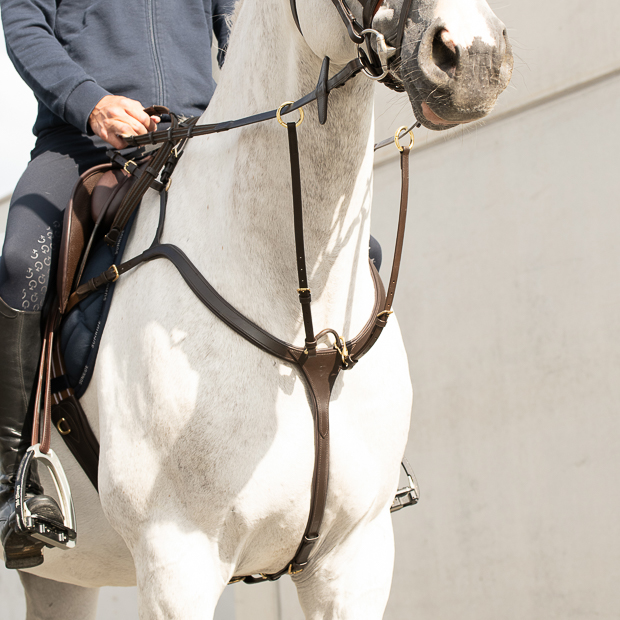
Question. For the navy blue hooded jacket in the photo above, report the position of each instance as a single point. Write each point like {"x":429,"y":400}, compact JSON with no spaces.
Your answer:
{"x":72,"y":53}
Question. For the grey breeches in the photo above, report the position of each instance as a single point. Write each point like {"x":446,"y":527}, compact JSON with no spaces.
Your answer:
{"x":35,"y":215}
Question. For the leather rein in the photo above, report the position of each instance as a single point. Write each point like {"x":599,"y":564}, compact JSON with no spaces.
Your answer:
{"x":319,"y":366}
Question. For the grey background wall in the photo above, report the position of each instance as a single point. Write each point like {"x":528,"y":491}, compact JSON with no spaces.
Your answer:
{"x":509,"y":303}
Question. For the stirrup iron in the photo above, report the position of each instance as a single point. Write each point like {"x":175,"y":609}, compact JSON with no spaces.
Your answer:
{"x":409,"y":495}
{"x":36,"y":526}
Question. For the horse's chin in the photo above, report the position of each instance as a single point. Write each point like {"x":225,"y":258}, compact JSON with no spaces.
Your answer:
{"x":427,"y":118}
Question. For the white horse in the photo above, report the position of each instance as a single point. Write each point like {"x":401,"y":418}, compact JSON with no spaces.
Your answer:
{"x":207,"y":442}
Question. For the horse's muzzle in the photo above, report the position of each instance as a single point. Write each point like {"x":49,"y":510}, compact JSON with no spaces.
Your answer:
{"x":450,"y":83}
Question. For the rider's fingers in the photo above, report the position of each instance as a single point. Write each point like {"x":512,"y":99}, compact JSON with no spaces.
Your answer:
{"x":135,"y":110}
{"x":113,"y":138}
{"x":126,"y":127}
{"x":138,"y":128}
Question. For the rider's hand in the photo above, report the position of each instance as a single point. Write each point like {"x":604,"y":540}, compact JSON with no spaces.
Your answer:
{"x":115,"y":116}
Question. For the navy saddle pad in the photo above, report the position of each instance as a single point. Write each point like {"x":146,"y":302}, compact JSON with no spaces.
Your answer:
{"x":81,"y":329}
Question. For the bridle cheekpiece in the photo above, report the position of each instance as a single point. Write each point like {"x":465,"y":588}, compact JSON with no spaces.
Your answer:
{"x":375,"y":59}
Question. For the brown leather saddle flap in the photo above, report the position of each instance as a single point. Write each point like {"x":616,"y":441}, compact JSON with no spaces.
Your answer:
{"x":77,"y":227}
{"x":95,"y":199}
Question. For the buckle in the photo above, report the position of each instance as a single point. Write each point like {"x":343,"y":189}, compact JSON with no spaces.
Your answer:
{"x":130,"y":166}
{"x":52,"y":534}
{"x":115,"y":272}
{"x":294,"y":572}
{"x":409,"y":495}
{"x":344,"y":352}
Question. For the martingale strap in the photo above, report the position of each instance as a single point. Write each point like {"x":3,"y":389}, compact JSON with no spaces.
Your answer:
{"x":305,"y":296}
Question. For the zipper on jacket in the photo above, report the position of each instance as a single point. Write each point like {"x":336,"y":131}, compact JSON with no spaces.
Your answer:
{"x":159,"y":73}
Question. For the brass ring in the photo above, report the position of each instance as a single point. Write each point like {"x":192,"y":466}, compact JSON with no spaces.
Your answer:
{"x":397,"y":137}
{"x":60,"y":430}
{"x":301,"y":114}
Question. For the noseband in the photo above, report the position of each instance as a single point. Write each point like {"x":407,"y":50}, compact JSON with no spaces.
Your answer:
{"x":375,"y":60}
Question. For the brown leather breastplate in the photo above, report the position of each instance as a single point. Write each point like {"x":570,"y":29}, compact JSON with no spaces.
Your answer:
{"x":319,"y":367}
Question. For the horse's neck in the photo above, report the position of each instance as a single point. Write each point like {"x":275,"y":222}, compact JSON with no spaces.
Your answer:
{"x":231,"y":201}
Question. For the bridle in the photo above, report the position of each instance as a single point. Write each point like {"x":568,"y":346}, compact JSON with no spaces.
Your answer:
{"x":375,"y":60}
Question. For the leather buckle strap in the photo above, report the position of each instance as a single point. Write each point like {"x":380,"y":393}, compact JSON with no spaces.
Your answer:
{"x":110,"y":275}
{"x":382,"y":317}
{"x":305,"y":297}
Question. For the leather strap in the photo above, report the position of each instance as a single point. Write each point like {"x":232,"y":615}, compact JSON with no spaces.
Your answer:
{"x":305,"y":296}
{"x":42,"y":421}
{"x":353,"y":26}
{"x":402,"y":23}
{"x":158,"y":137}
{"x":72,"y":424}
{"x":382,"y":317}
{"x":370,"y":10}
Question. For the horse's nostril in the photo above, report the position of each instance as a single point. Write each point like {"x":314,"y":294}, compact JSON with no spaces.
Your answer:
{"x":444,"y":52}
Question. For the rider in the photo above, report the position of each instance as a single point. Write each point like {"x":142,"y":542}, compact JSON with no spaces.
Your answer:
{"x":91,"y":64}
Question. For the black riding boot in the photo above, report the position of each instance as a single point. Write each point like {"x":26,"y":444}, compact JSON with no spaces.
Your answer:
{"x":20,"y":347}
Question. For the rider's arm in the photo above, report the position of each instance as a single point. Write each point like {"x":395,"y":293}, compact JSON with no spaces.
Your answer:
{"x":57,"y":81}
{"x":60,"y":83}
{"x":222,"y":11}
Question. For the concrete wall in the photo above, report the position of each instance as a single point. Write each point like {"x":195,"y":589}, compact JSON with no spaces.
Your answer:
{"x":509,"y":305}
{"x":508,"y":301}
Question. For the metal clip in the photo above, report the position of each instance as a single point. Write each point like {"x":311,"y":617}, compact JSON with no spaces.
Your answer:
{"x":61,"y":430}
{"x":126,"y":166}
{"x":117,"y":275}
{"x":409,"y":495}
{"x":401,"y":132}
